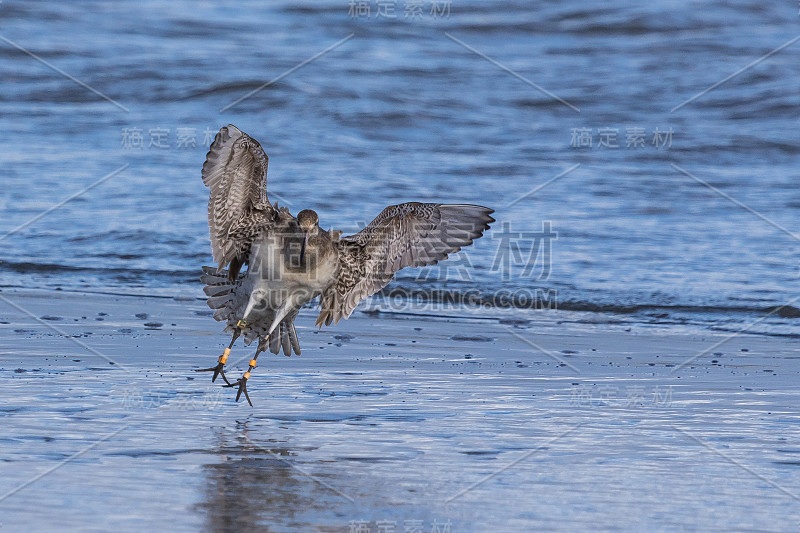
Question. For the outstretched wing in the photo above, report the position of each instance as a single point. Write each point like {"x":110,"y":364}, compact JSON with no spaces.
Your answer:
{"x":235,"y":171}
{"x":405,"y":235}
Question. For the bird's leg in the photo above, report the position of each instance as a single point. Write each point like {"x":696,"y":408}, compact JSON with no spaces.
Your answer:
{"x":222,"y":359}
{"x":242,"y":382}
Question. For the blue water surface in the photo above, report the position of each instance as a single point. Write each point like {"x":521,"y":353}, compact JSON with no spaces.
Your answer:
{"x":681,"y":211}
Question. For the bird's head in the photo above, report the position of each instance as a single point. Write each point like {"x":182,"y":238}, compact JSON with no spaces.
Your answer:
{"x":308,"y":220}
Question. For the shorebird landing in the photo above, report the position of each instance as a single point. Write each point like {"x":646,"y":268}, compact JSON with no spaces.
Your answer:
{"x":292,"y":260}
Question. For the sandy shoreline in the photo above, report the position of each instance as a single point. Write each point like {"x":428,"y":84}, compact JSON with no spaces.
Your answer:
{"x":480,"y":424}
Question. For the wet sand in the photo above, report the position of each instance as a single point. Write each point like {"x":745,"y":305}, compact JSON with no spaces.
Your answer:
{"x":412,"y":420}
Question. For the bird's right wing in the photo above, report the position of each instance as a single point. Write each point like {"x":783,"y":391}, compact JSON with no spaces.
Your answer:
{"x":405,"y":235}
{"x":235,"y":171}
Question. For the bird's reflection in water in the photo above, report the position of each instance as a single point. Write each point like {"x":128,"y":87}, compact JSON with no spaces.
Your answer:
{"x":257,"y":487}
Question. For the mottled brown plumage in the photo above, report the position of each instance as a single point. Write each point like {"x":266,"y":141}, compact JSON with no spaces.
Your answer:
{"x":292,"y":260}
{"x":235,"y":172}
{"x":404,"y":235}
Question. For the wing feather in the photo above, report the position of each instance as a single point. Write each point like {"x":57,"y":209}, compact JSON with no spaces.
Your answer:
{"x":235,"y":171}
{"x":405,"y":235}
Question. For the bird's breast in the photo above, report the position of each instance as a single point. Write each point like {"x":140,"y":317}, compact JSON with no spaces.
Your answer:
{"x":281,"y":261}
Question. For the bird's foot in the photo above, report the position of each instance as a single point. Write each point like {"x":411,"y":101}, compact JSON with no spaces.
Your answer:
{"x":218,"y":370}
{"x":242,"y":383}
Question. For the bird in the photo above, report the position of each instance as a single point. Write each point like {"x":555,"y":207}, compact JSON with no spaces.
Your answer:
{"x":291,"y":260}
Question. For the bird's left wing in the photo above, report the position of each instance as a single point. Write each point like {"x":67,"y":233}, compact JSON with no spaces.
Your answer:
{"x":405,"y":235}
{"x":235,"y":171}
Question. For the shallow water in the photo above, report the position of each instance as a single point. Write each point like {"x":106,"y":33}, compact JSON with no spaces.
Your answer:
{"x":391,"y":419}
{"x":402,"y":111}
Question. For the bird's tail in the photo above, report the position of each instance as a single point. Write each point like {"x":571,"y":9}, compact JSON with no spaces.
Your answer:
{"x":220,"y":292}
{"x":222,"y":296}
{"x":284,"y":336}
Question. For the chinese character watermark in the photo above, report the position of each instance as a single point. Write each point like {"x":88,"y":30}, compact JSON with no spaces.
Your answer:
{"x":509,"y":254}
{"x":159,"y":138}
{"x":404,"y":526}
{"x":621,"y":397}
{"x":138,"y":399}
{"x":611,"y":138}
{"x":410,"y":10}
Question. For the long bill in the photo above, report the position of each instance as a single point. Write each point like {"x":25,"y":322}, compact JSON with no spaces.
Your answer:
{"x":303,"y":246}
